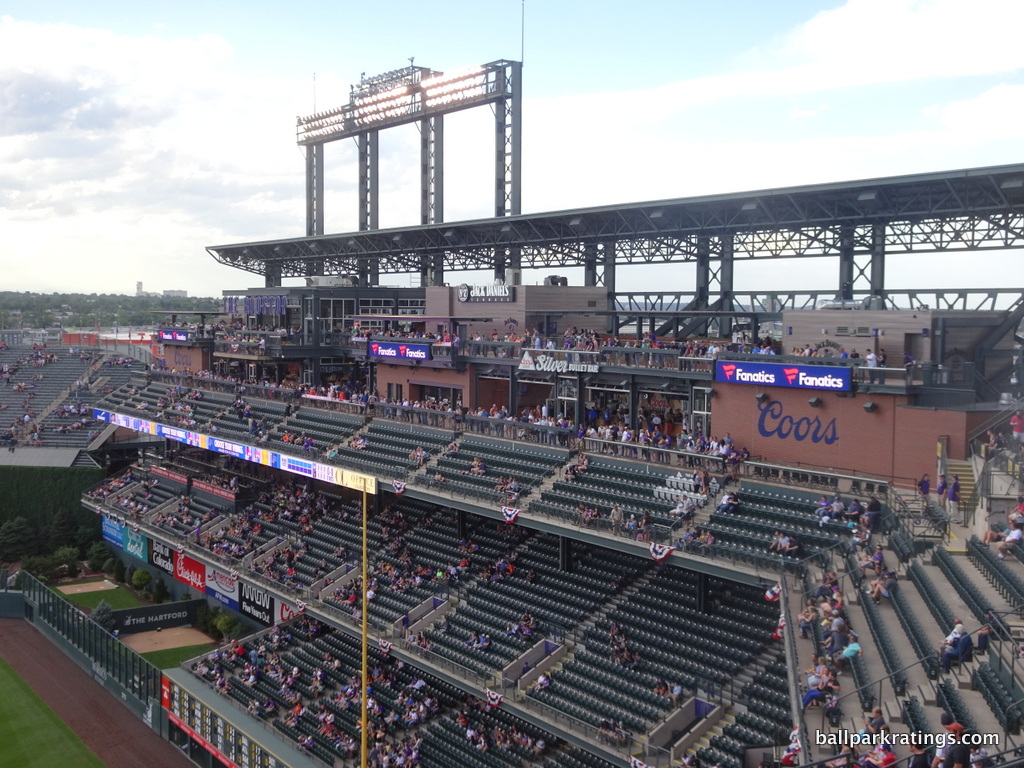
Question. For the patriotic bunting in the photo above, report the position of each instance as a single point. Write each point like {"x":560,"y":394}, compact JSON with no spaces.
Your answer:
{"x":494,"y":699}
{"x":300,"y":606}
{"x":793,"y":750}
{"x":774,"y":593}
{"x":385,"y":646}
{"x":399,"y":487}
{"x":777,"y":634}
{"x":510,"y":513}
{"x":660,"y":551}
{"x":636,"y":762}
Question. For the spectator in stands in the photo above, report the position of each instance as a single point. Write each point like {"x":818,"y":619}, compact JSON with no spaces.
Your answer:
{"x":1008,"y":539}
{"x":541,"y":682}
{"x":884,"y":586}
{"x":705,"y":542}
{"x":676,"y":694}
{"x":958,"y":630}
{"x":873,"y":514}
{"x":959,"y":650}
{"x":957,"y":754}
{"x":855,"y":511}
{"x":953,"y":500}
{"x":924,"y":487}
{"x":874,"y":563}
{"x":860,"y":539}
{"x":808,"y":617}
{"x":616,"y":518}
{"x":851,"y":651}
{"x":875,"y":725}
{"x":881,"y":757}
{"x":730,"y":502}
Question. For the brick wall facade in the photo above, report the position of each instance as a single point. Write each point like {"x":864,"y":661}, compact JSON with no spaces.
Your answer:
{"x":895,"y":441}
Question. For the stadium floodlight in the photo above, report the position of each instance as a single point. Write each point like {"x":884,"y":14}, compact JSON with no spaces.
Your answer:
{"x":416,"y":95}
{"x":403,"y":96}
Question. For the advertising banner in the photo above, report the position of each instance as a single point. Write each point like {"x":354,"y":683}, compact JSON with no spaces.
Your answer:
{"x":222,"y":586}
{"x":287,"y":611}
{"x":256,"y":603}
{"x":151,"y":617}
{"x":189,"y":571}
{"x":212,"y":490}
{"x":817,"y":377}
{"x":161,"y":556}
{"x":173,"y":335}
{"x":169,"y":475}
{"x":135,"y":544}
{"x":399,"y":351}
{"x":113,"y":531}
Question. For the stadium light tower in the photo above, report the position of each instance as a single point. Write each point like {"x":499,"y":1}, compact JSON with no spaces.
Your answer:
{"x":418,"y":95}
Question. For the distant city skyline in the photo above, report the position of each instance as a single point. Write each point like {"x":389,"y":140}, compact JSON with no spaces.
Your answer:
{"x":129,"y":142}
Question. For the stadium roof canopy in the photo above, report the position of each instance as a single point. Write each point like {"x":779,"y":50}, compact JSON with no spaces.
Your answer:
{"x":971,"y":209}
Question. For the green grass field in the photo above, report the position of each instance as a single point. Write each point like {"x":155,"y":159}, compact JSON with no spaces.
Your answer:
{"x":172,"y":657}
{"x":31,"y":734}
{"x":117,"y":598}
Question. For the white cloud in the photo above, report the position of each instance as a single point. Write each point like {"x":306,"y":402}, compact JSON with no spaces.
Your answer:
{"x":135,"y":152}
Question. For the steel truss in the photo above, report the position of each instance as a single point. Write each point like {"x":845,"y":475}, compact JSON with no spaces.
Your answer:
{"x":862,"y":223}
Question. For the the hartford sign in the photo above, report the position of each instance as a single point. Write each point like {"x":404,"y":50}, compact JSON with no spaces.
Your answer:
{"x":836,"y":379}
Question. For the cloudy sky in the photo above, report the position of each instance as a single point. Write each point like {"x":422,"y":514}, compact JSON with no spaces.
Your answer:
{"x":134,"y":135}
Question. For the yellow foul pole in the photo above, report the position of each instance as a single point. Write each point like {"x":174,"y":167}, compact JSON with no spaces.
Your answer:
{"x":363,"y":714}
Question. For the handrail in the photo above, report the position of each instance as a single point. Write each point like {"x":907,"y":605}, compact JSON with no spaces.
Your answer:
{"x":995,"y":419}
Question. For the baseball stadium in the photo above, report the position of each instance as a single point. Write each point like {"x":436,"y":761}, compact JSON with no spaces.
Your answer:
{"x":491,"y":520}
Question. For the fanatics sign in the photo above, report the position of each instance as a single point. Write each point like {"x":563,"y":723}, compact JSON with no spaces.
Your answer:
{"x":833,"y":378}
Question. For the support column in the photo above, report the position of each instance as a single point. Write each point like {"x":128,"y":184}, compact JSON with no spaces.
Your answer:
{"x":272,"y":277}
{"x":461,"y":528}
{"x":702,"y":284}
{"x":369,"y":274}
{"x":590,"y":264}
{"x":846,"y":263}
{"x":703,"y":587}
{"x":513,"y":392}
{"x":565,"y":554}
{"x":431,"y":190}
{"x":608,"y":277}
{"x":878,"y":260}
{"x":432,"y":170}
{"x":508,"y":142}
{"x":368,"y":192}
{"x":314,"y":190}
{"x":725,"y":278}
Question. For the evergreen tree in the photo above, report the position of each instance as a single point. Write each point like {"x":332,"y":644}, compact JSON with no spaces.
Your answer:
{"x":97,"y":556}
{"x":17,"y":539}
{"x":62,"y":530}
{"x":141,"y":579}
{"x":119,"y":572}
{"x":160,"y":593}
{"x":67,"y":560}
{"x":103,"y":615}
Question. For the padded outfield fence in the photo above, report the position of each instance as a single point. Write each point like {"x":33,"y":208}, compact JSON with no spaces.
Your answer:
{"x":132,"y":679}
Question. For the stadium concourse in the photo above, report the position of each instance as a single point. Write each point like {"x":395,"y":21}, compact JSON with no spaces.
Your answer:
{"x":533,"y":601}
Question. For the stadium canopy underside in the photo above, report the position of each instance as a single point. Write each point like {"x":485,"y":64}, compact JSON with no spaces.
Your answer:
{"x":860,"y":222}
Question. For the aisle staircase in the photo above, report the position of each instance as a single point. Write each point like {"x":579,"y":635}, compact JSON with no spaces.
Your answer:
{"x":964,"y":470}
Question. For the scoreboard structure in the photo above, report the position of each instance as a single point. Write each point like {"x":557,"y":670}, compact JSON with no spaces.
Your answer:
{"x":191,"y":719}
